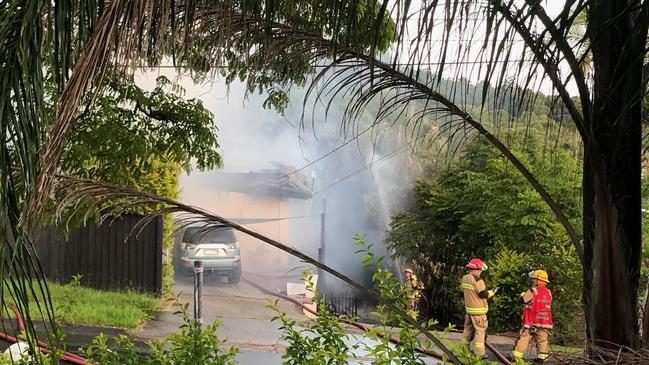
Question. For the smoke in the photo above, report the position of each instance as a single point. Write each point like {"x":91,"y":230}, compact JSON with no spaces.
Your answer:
{"x":363,"y":182}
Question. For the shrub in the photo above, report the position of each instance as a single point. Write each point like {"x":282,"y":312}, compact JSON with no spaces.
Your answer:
{"x":508,"y":270}
{"x":482,"y":207}
{"x":193,"y":345}
{"x":321,"y":342}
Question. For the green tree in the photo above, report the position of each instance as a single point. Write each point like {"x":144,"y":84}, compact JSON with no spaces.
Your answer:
{"x":142,"y":139}
{"x":482,"y":207}
{"x":125,"y":129}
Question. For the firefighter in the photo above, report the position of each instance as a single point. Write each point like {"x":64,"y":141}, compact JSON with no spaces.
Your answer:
{"x":537,"y":317}
{"x":412,"y":288}
{"x":475,"y":302}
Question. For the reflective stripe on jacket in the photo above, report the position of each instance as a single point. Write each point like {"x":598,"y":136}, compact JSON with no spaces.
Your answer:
{"x":538,"y":311}
{"x":471,"y":286}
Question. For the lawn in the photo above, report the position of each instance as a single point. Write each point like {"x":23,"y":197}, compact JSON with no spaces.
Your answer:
{"x":78,"y":305}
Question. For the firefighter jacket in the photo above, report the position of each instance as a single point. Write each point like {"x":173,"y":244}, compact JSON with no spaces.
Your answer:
{"x":412,"y":288}
{"x":537,"y":311}
{"x":475,"y":302}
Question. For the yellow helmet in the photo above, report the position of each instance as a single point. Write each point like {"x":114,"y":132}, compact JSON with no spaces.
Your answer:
{"x":539,"y":275}
{"x":408,"y":270}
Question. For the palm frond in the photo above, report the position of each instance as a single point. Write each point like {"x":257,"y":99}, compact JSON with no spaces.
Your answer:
{"x":355,"y":74}
{"x":40,"y":37}
{"x":22,"y":117}
{"x":361,"y":79}
{"x":87,"y":70}
{"x":112,"y":200}
{"x":498,"y":35}
{"x":404,"y":90}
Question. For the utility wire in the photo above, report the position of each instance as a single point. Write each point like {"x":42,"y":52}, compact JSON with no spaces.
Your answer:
{"x":389,"y":63}
{"x":368,"y":166}
{"x":325,"y":155}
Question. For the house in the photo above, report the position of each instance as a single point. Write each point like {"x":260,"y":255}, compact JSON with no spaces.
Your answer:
{"x":275,"y":203}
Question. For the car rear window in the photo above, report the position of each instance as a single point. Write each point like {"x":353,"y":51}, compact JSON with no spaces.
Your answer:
{"x":202,"y":235}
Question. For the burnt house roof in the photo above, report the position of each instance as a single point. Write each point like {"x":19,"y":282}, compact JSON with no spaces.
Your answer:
{"x":283,"y":182}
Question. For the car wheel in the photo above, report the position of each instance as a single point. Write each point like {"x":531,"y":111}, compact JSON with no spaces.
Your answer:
{"x":235,"y":277}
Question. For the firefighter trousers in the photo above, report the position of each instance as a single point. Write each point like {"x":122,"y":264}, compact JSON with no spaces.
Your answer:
{"x":540,"y":335}
{"x":475,"y":328}
{"x":412,"y":302}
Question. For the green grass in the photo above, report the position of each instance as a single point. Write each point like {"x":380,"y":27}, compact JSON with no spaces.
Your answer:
{"x":78,"y":305}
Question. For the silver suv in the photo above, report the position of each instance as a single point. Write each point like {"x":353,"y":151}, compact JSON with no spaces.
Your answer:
{"x":218,"y":249}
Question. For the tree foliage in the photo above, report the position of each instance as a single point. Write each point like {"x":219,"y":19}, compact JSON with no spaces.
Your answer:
{"x":142,"y":139}
{"x":120,"y":137}
{"x":343,"y":22}
{"x":482,"y":207}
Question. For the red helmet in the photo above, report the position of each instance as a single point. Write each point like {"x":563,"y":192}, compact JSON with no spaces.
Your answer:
{"x":476,"y":264}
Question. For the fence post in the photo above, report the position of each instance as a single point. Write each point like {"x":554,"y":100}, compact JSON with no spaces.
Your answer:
{"x":198,"y":292}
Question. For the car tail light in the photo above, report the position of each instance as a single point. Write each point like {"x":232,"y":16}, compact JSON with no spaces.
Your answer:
{"x":237,"y":259}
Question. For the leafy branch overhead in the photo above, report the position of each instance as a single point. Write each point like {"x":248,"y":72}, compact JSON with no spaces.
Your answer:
{"x":127,"y":129}
{"x":199,"y":35}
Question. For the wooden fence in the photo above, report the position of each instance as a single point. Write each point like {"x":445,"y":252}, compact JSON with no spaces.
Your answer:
{"x":109,"y":256}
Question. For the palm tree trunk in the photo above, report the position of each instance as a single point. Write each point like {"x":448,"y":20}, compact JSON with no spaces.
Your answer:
{"x":612,"y":211}
{"x":611,"y":255}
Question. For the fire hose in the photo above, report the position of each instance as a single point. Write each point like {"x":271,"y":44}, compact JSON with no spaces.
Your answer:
{"x":498,"y":354}
{"x":342,"y":320}
{"x":65,"y":356}
{"x":366,"y":328}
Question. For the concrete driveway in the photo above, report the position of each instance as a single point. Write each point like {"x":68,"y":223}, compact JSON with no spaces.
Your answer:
{"x":241,"y":310}
{"x":245,"y":320}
